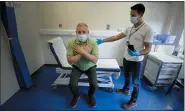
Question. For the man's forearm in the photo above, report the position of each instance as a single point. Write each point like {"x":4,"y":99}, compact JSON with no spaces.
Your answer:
{"x":74,"y":59}
{"x":114,"y":38}
{"x":92,"y":58}
{"x":110,"y":39}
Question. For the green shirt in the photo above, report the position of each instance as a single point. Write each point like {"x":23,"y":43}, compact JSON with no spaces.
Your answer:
{"x":83,"y":64}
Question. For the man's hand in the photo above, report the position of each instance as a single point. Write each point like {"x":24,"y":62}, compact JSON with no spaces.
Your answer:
{"x":148,"y":47}
{"x":135,"y":53}
{"x":78,"y":49}
{"x":88,"y":48}
{"x":84,"y":52}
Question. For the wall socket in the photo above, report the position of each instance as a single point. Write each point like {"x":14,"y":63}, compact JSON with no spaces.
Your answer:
{"x":108,"y":27}
{"x":60,"y":25}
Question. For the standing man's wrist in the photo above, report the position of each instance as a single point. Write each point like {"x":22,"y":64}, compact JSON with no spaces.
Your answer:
{"x":103,"y":40}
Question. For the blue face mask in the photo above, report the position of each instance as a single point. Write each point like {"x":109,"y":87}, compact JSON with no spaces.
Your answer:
{"x":133,"y":20}
{"x":82,"y":38}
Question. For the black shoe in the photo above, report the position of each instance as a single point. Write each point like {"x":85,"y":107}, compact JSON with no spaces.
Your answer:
{"x":129,"y":105}
{"x":74,"y":101}
{"x":92,"y":101}
{"x":124,"y":91}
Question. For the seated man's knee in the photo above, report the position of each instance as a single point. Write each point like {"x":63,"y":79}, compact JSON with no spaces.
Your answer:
{"x":94,"y":85}
{"x":73,"y":84}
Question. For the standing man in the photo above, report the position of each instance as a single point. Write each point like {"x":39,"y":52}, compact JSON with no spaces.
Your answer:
{"x":139,"y":43}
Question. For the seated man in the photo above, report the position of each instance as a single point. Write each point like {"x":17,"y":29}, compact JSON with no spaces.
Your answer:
{"x":82,"y":54}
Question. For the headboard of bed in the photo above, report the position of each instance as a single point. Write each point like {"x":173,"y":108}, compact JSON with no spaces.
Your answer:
{"x":59,"y":51}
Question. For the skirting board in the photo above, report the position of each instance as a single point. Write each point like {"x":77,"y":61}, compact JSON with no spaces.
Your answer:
{"x":39,"y":69}
{"x":52,"y":65}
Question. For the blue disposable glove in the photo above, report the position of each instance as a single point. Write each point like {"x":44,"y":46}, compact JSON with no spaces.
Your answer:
{"x":99,"y":41}
{"x":135,"y":53}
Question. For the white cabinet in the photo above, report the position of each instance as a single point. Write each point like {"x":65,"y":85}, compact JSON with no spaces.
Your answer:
{"x":162,"y":69}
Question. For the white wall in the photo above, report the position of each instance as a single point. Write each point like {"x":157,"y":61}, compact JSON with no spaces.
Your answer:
{"x":178,"y":21}
{"x":98,"y":14}
{"x":175,"y":20}
{"x":28,"y":30}
{"x":181,"y":42}
{"x":9,"y":83}
{"x":173,"y":25}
